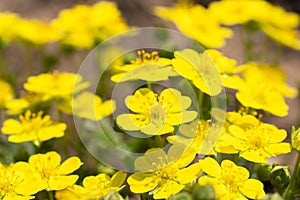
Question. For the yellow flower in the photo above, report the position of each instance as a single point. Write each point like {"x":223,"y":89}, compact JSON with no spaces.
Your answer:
{"x":7,"y":31}
{"x":252,"y":139}
{"x":196,"y":22}
{"x":287,"y":37}
{"x":163,"y":174}
{"x":265,"y":88}
{"x":148,"y":67}
{"x":97,"y":22}
{"x":194,"y":136}
{"x":53,"y":174}
{"x":97,"y":187}
{"x":17,"y":183}
{"x":88,"y":105}
{"x":35,"y":32}
{"x":6,"y":93}
{"x":156,"y":115}
{"x":227,"y":68}
{"x":33,"y":127}
{"x":230,"y":181}
{"x":56,"y":85}
{"x":271,"y":19}
{"x":200,"y":69}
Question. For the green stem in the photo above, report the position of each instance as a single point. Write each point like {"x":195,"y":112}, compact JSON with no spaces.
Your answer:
{"x":50,"y":195}
{"x":294,"y":187}
{"x":200,"y":104}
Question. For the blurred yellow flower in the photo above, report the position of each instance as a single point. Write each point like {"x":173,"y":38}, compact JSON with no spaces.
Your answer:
{"x":6,"y":93}
{"x":97,"y":187}
{"x":156,"y":115}
{"x":265,"y":88}
{"x":193,"y":136}
{"x":196,"y":22}
{"x":252,"y":139}
{"x":7,"y":31}
{"x":35,"y":32}
{"x":163,"y":175}
{"x":287,"y":37}
{"x":88,"y":105}
{"x":17,"y":184}
{"x":54,"y":175}
{"x":271,"y":19}
{"x":26,"y":30}
{"x":67,"y":194}
{"x":83,"y":26}
{"x":33,"y":127}
{"x":56,"y":85}
{"x":147,"y":66}
{"x":200,"y":69}
{"x":230,"y":181}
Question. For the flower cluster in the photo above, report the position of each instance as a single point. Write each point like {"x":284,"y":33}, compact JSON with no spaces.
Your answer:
{"x":70,"y":27}
{"x":190,"y":147}
{"x":191,"y":19}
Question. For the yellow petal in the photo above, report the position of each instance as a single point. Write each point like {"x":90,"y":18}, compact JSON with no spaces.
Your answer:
{"x":11,"y":126}
{"x":118,"y":179}
{"x":141,"y":101}
{"x":253,"y":189}
{"x":141,"y":182}
{"x":280,"y":148}
{"x":131,"y":122}
{"x":258,"y":156}
{"x":211,"y":167}
{"x":62,"y":182}
{"x":69,"y":166}
{"x":172,"y":100}
{"x":188,"y":174}
{"x":167,"y":189}
{"x":181,"y":118}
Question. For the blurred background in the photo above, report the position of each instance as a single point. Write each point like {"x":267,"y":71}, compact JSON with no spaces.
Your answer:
{"x":140,"y":14}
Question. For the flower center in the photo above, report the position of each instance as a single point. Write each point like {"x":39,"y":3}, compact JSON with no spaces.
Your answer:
{"x":257,"y":137}
{"x":145,"y":57}
{"x":9,"y":180}
{"x":157,"y":114}
{"x":167,"y":172}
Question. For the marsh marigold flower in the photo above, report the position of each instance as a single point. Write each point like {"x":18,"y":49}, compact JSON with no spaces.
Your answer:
{"x":200,"y":69}
{"x":6,"y":93}
{"x":147,"y":66}
{"x":196,"y":22}
{"x":95,"y":109}
{"x":195,"y":135}
{"x":32,"y":127}
{"x":252,"y":139}
{"x":265,"y":88}
{"x":278,"y":24}
{"x":97,"y":22}
{"x":163,"y":175}
{"x":53,"y":174}
{"x":230,"y":181}
{"x":17,"y":183}
{"x":56,"y":85}
{"x":97,"y":187}
{"x":156,"y":115}
{"x":227,"y":68}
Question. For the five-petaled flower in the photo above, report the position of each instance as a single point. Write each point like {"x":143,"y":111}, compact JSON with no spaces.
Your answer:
{"x":229,"y":180}
{"x":164,"y":174}
{"x":33,"y":127}
{"x":53,"y":174}
{"x":156,"y":115}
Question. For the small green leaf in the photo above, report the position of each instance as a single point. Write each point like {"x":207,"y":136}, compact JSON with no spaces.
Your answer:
{"x":280,"y":178}
{"x":205,"y":192}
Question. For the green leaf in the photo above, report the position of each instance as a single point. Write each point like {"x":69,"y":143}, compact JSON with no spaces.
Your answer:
{"x":280,"y":178}
{"x":205,"y":192}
